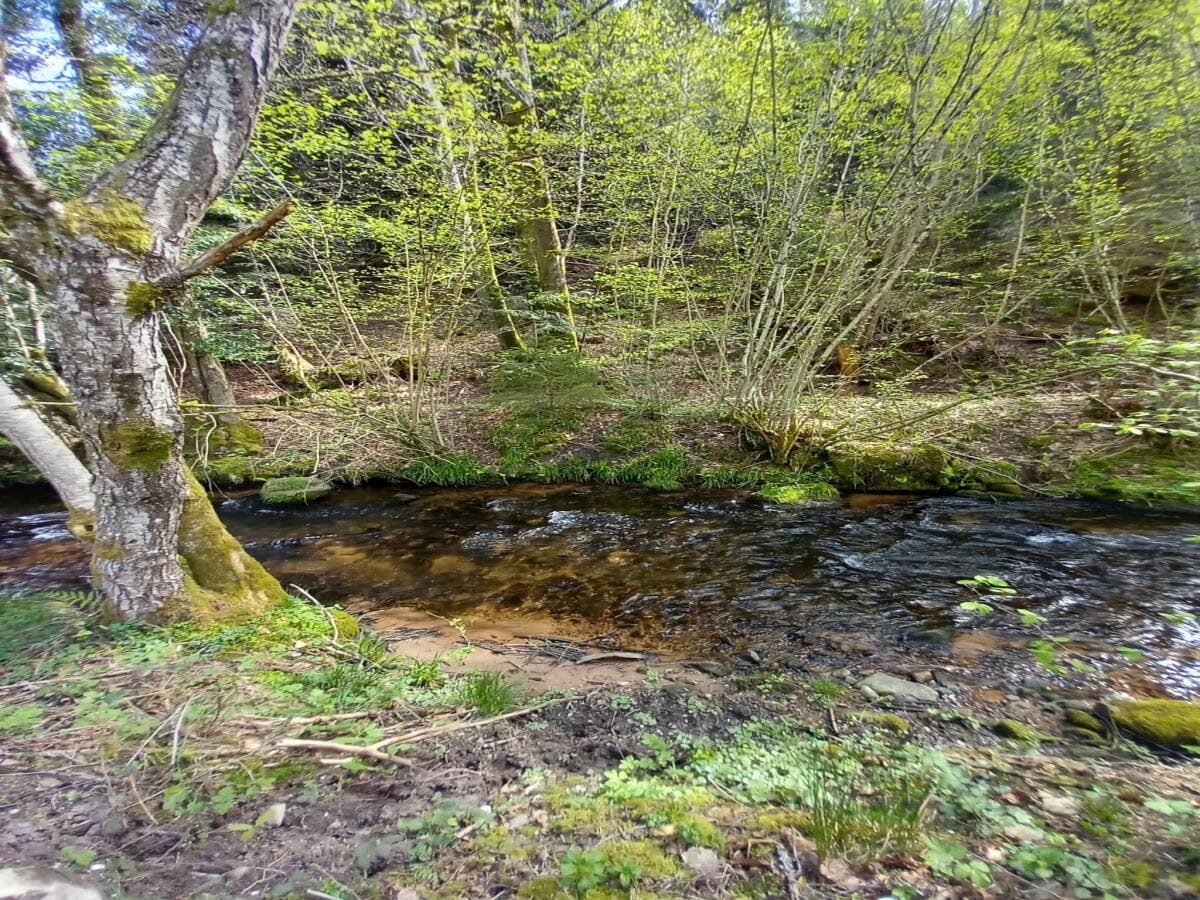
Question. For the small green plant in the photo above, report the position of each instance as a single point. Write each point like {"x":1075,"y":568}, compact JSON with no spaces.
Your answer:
{"x":952,"y":860}
{"x":19,"y":718}
{"x":77,"y":857}
{"x":580,"y":871}
{"x":622,"y":702}
{"x":826,"y":692}
{"x":424,"y":673}
{"x":488,"y":693}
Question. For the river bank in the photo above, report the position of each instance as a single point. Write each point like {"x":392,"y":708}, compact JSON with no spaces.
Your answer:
{"x":296,"y":756}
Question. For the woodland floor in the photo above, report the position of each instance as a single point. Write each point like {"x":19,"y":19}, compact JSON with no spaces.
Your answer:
{"x":155,"y":763}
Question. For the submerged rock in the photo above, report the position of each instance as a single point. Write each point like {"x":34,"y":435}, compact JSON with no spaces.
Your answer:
{"x":900,"y":689}
{"x":294,"y":489}
{"x":1167,"y":723}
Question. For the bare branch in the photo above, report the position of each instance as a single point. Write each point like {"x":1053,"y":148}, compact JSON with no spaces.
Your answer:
{"x":24,"y":199}
{"x":214,"y":256}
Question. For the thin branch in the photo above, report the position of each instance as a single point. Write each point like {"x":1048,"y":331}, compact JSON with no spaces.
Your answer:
{"x":214,"y":256}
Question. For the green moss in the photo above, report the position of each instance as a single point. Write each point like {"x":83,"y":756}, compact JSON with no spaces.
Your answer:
{"x":1019,"y":731}
{"x":137,"y":445}
{"x":1142,"y":475}
{"x":810,"y":493}
{"x":294,"y":489}
{"x":114,"y":219}
{"x":142,"y":298}
{"x":1082,"y":719}
{"x":542,"y":889}
{"x":81,"y":523}
{"x":880,"y":466}
{"x":648,"y":856}
{"x":993,"y":476}
{"x":223,"y":582}
{"x":1164,"y":723}
{"x":236,"y":470}
{"x":1137,"y":873}
{"x":345,"y":624}
{"x":887,"y":720}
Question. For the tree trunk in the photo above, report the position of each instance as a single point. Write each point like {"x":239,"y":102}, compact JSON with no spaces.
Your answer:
{"x":205,"y":373}
{"x":108,"y":261}
{"x":53,"y":458}
{"x":475,"y":240}
{"x":539,"y":228}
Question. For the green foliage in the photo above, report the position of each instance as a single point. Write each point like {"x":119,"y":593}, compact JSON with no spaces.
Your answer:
{"x":20,"y":718}
{"x":489,"y":694}
{"x":35,"y":622}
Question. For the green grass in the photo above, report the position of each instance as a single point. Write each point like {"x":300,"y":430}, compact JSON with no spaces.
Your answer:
{"x":489,"y":694}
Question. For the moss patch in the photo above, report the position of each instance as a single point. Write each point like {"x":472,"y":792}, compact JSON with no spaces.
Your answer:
{"x":880,"y":466}
{"x":806,"y":494}
{"x":137,"y":445}
{"x":890,"y":721}
{"x":1083,"y":719}
{"x":1165,"y":723}
{"x":142,"y":298}
{"x":223,"y":582}
{"x":1140,"y":475}
{"x":1019,"y":731}
{"x":112,"y":218}
{"x":294,"y":489}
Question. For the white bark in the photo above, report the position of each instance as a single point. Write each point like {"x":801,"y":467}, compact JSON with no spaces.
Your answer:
{"x":53,"y":458}
{"x":107,"y":261}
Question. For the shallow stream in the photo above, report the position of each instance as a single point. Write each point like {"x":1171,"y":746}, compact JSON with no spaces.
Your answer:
{"x":712,"y":572}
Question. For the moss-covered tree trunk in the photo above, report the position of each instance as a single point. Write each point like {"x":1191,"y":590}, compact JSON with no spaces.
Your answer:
{"x":538,"y":225}
{"x":109,"y":261}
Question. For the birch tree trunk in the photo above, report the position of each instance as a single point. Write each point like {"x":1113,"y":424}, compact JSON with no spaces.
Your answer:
{"x":108,"y":262}
{"x":62,"y":468}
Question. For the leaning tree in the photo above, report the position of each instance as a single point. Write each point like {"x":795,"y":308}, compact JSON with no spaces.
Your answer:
{"x":109,"y":262}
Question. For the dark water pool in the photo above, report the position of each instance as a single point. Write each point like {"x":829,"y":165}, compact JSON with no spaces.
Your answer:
{"x":702,"y":568}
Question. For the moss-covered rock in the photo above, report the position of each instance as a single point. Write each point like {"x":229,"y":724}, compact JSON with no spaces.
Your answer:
{"x":1141,"y":475}
{"x":812,"y":493}
{"x":882,"y":466}
{"x":990,"y":476}
{"x":294,"y":489}
{"x":1165,"y":723}
{"x":1019,"y":731}
{"x":1082,"y":719}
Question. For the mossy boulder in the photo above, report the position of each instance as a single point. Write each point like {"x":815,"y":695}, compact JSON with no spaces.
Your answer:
{"x":883,"y":466}
{"x":1141,"y":475}
{"x":992,"y":476}
{"x":1085,"y":720}
{"x":813,"y":493}
{"x":1173,"y":724}
{"x":1019,"y":731}
{"x":294,"y":489}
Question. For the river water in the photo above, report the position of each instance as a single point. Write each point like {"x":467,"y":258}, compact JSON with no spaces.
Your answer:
{"x":713,"y":572}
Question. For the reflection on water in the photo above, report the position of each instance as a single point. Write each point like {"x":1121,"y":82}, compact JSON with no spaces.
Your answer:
{"x":698,"y":566}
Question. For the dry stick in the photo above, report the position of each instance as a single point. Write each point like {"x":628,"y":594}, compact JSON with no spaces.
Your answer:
{"x":214,"y":256}
{"x":375,"y":751}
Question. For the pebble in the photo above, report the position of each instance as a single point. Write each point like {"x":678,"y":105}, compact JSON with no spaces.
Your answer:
{"x":922,"y":677}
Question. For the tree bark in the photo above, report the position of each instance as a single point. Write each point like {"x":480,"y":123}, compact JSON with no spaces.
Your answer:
{"x":475,"y":240}
{"x":103,"y":260}
{"x":539,"y":227}
{"x":62,"y":468}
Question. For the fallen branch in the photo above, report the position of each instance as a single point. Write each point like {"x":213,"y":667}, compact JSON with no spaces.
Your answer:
{"x":376,"y":750}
